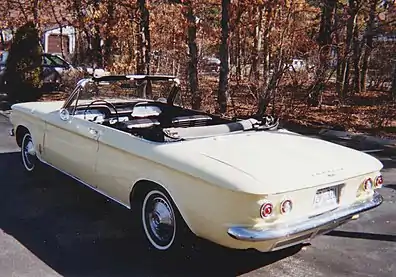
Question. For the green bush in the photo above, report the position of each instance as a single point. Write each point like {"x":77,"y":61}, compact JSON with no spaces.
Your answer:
{"x":23,"y":66}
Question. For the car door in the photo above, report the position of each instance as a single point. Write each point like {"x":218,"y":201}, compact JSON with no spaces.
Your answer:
{"x":71,"y":146}
{"x":116,"y":168}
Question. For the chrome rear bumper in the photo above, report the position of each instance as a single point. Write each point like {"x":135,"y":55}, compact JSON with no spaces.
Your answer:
{"x":287,"y":234}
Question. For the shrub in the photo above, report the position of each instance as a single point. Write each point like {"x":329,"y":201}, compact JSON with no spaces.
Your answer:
{"x":70,"y":79}
{"x":23,"y":67}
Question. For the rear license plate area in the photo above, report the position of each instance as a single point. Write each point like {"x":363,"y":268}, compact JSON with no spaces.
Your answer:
{"x":327,"y":198}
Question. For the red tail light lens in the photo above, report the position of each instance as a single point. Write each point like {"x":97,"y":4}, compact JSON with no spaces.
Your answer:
{"x":286,"y":206}
{"x":379,"y":181}
{"x":266,"y":210}
{"x":368,"y":184}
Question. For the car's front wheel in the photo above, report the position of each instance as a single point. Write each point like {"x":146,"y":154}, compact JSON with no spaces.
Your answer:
{"x":162,"y":223}
{"x":28,"y":154}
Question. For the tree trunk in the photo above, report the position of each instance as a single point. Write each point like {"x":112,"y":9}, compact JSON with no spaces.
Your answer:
{"x":84,"y":32}
{"x":266,"y":47}
{"x":356,"y":60}
{"x":369,"y":45}
{"x":238,"y":54}
{"x":35,"y":11}
{"x":393,"y":90}
{"x":2,"y":40}
{"x":340,"y":59}
{"x":324,"y":43}
{"x":224,"y":57}
{"x":108,"y":43}
{"x":61,"y":40}
{"x":144,"y":45}
{"x":257,"y":45}
{"x":351,"y":23}
{"x":60,"y":25}
{"x":271,"y":89}
{"x":96,"y":54}
{"x":193,"y":55}
{"x":244,"y":52}
{"x":97,"y":48}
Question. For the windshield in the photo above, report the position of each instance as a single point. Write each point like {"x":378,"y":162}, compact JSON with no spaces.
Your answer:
{"x":124,"y":91}
{"x":54,"y":60}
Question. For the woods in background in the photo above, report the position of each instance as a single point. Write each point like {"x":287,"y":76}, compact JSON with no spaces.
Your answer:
{"x":266,"y":48}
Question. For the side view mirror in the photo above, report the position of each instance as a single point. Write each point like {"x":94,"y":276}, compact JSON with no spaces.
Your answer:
{"x":64,"y":114}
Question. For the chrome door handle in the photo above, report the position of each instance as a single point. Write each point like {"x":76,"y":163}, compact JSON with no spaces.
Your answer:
{"x":93,"y":132}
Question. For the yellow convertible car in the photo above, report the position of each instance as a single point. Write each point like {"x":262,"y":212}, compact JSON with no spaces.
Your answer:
{"x":241,"y":183}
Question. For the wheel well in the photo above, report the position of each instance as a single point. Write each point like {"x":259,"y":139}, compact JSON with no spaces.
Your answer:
{"x":143,"y":186}
{"x":19,"y":133}
{"x":139,"y":189}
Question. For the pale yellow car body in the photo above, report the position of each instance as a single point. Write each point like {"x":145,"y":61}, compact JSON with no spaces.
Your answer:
{"x":213,"y":186}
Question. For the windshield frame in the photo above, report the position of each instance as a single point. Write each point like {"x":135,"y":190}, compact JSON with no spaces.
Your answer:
{"x":73,"y":98}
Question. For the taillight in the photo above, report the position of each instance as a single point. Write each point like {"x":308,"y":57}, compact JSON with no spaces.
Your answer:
{"x":368,"y":185}
{"x":379,"y":181}
{"x":266,"y":210}
{"x":286,"y":206}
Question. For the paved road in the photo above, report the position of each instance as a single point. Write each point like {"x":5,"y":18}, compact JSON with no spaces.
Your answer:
{"x":59,"y":228}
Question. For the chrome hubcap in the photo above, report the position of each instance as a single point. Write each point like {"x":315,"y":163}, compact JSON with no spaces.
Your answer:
{"x":30,"y":149}
{"x":29,"y":154}
{"x":159,"y":221}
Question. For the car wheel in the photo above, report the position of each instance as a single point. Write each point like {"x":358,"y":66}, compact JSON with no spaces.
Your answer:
{"x":28,"y":154}
{"x":163,"y":226}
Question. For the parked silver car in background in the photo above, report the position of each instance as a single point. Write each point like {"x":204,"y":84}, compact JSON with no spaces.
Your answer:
{"x":53,"y":67}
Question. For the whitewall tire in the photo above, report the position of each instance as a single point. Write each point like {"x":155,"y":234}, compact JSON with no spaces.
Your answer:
{"x":28,"y":153}
{"x":162,"y":224}
{"x":31,"y":164}
{"x":158,"y":220}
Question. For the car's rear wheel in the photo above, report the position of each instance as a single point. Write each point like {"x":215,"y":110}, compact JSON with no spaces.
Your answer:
{"x":28,"y":154}
{"x":163,"y":226}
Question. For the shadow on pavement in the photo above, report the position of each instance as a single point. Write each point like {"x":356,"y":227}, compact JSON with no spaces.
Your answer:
{"x":4,"y":103}
{"x":360,"y":235}
{"x":77,"y":232}
{"x":388,"y":163}
{"x":390,"y":186}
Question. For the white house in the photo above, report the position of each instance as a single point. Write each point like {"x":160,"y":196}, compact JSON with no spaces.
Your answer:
{"x":54,"y":37}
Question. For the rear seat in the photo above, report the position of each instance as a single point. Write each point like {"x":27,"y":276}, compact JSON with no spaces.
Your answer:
{"x":141,"y":123}
{"x":204,"y":131}
{"x":190,"y":120}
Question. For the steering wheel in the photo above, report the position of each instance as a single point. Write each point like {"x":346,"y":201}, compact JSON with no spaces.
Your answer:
{"x":101,"y":100}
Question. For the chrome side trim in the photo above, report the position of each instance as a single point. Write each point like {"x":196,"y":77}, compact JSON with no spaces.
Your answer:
{"x":326,"y":221}
{"x":83,"y":183}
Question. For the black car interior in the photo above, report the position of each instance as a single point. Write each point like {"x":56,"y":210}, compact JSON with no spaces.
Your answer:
{"x":150,"y":123}
{"x":158,"y":120}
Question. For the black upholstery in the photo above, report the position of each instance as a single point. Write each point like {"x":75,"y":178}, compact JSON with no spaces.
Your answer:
{"x":191,"y":120}
{"x":204,"y":131}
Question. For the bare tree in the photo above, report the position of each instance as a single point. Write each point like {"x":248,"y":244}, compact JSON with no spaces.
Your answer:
{"x":192,"y":68}
{"x":324,"y":42}
{"x":109,"y":37}
{"x":144,"y":45}
{"x":257,"y":42}
{"x":393,"y":90}
{"x":224,"y":56}
{"x":369,"y":44}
